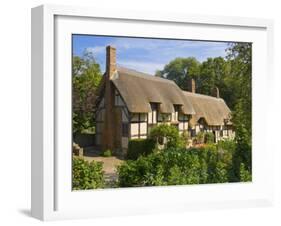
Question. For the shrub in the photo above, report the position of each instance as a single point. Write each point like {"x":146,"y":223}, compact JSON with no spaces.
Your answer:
{"x":138,"y":147}
{"x":211,"y":163}
{"x":176,"y":166}
{"x":209,"y":138}
{"x":107,"y":153}
{"x":241,"y":159}
{"x":87,"y":175}
{"x":200,"y":137}
{"x":227,"y":145}
{"x":185,"y":138}
{"x":171,"y":133}
{"x":245,"y":175}
{"x":205,"y":137}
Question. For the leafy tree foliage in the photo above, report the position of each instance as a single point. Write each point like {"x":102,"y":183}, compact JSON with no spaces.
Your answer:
{"x":170,"y":133}
{"x":86,"y":76}
{"x":233,"y":76}
{"x":240,"y":56}
{"x":87,"y":175}
{"x":213,"y":73}
{"x":181,"y":70}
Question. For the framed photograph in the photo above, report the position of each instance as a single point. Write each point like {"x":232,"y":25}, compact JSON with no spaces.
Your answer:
{"x":136,"y":113}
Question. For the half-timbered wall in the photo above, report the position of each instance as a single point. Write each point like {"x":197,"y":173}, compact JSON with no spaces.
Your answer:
{"x":138,"y":124}
{"x":183,"y":123}
{"x":163,"y":118}
{"x":175,"y":115}
{"x":220,"y":132}
{"x":153,"y":115}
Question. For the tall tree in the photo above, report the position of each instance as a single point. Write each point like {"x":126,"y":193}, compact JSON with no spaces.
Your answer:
{"x":86,"y":76}
{"x":181,"y":70}
{"x":213,"y":72}
{"x":240,"y":56}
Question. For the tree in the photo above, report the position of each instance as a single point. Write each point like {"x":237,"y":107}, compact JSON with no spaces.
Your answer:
{"x":161,"y":132}
{"x":233,"y":77}
{"x":240,"y":56}
{"x":213,"y":72}
{"x":86,"y":76}
{"x":209,"y":74}
{"x":181,"y":70}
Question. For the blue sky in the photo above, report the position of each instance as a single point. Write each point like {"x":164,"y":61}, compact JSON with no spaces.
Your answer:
{"x":143,"y":54}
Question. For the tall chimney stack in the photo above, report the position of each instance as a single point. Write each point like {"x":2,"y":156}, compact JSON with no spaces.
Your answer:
{"x":109,"y":121}
{"x":216,"y":92}
{"x":110,"y":61}
{"x":191,"y":86}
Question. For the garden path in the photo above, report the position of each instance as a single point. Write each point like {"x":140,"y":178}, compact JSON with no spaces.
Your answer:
{"x":109,"y":165}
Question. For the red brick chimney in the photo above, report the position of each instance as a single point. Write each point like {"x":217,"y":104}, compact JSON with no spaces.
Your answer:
{"x":109,"y":123}
{"x":191,"y":85}
{"x":110,"y":61}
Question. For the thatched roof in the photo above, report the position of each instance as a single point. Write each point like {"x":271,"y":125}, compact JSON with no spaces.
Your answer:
{"x":139,"y":90}
{"x":213,"y":110}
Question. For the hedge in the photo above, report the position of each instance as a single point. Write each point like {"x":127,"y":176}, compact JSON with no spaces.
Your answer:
{"x":138,"y":147}
{"x":176,"y":166}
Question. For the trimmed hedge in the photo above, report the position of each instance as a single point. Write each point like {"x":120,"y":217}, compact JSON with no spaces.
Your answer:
{"x":138,"y":147}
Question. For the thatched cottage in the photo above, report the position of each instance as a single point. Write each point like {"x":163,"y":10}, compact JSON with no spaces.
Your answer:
{"x":130,"y":103}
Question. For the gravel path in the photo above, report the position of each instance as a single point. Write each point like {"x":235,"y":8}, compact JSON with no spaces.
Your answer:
{"x":109,"y":163}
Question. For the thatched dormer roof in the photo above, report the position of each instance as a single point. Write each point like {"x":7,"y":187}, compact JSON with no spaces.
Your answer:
{"x":212,"y":109}
{"x":139,"y":90}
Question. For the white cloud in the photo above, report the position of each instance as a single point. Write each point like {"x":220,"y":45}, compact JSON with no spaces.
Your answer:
{"x":149,"y":55}
{"x":96,"y":50}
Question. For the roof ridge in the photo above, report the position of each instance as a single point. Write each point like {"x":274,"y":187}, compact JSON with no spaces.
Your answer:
{"x":202,"y":95}
{"x":143,"y":75}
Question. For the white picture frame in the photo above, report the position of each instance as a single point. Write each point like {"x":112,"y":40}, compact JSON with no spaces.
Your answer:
{"x":52,"y":197}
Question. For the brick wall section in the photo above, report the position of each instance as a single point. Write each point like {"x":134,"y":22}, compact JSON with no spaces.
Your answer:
{"x":110,"y":61}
